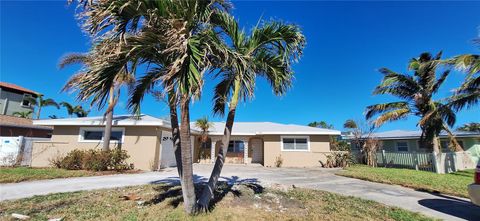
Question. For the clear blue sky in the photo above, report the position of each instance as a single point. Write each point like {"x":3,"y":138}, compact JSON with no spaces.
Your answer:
{"x":347,"y":42}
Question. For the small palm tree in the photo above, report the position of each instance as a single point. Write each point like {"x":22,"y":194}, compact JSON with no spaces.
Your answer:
{"x":204,"y":124}
{"x":267,"y":52}
{"x":39,"y":102}
{"x":321,"y":124}
{"x":24,"y":114}
{"x":470,"y":127}
{"x":416,"y":92}
{"x":74,"y":109}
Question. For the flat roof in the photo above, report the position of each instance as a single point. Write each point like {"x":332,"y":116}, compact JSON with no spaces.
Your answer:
{"x":118,"y":120}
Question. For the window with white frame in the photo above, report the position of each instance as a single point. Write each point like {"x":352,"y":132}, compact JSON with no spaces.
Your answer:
{"x":402,"y":146}
{"x":236,"y":146}
{"x":96,"y":134}
{"x":295,"y":144}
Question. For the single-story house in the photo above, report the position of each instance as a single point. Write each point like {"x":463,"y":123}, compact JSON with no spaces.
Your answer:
{"x":409,"y":141}
{"x":11,"y":126}
{"x":148,"y":142}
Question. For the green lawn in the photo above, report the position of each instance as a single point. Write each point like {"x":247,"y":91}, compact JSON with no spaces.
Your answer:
{"x":452,"y":184}
{"x":19,"y":174}
{"x":163,"y":202}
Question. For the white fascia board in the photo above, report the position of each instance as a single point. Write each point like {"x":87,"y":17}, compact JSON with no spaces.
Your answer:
{"x":300,"y":133}
{"x":233,"y":134}
{"x":95,"y":123}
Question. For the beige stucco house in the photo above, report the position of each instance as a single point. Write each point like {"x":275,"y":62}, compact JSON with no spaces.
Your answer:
{"x":148,"y":142}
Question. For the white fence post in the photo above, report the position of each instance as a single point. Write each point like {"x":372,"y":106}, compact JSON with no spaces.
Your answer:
{"x":415,"y":160}
{"x":384,"y":159}
{"x":435,"y":162}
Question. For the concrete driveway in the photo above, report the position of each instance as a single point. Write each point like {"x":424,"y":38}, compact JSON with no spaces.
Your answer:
{"x":439,"y":206}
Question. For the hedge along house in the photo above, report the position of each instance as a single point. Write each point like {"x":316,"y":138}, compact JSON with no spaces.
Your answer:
{"x":148,"y":142}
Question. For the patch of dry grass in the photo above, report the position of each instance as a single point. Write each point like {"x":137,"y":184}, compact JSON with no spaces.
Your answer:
{"x":20,"y":174}
{"x":239,"y":202}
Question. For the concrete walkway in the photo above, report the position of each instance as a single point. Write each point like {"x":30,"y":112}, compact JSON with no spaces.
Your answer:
{"x":438,"y":206}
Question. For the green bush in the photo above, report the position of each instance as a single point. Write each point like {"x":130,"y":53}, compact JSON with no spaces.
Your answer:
{"x":96,"y":160}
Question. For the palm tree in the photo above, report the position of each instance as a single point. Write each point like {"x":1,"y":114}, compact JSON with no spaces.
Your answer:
{"x":267,"y":52}
{"x":176,"y":41}
{"x":74,"y":109}
{"x":204,"y":124}
{"x":39,"y":102}
{"x":416,"y":92}
{"x":82,"y":82}
{"x":24,"y":114}
{"x":470,"y":127}
{"x":468,"y":94}
{"x":321,"y":124}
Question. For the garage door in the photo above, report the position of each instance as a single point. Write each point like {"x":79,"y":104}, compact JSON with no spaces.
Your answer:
{"x":167,"y":154}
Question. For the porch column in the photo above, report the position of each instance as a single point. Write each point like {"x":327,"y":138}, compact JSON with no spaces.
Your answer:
{"x":212,"y":151}
{"x":245,"y":150}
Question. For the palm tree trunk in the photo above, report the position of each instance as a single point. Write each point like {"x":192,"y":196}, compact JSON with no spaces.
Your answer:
{"x":436,"y":145}
{"x":39,"y":110}
{"x":188,"y":189}
{"x":172,"y":103}
{"x":108,"y":124}
{"x":207,"y":192}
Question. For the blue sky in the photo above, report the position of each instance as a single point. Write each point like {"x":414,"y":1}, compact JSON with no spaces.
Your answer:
{"x":347,"y":42}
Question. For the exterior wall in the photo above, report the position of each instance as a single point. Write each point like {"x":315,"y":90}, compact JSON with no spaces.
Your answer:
{"x":319,"y":145}
{"x":10,"y":131}
{"x":141,"y":143}
{"x":11,"y":102}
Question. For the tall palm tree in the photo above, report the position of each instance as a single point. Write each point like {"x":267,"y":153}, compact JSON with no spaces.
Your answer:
{"x":416,"y":92}
{"x":176,"y":41}
{"x":204,"y":125}
{"x":24,"y":114}
{"x":82,"y":82}
{"x":39,"y":102}
{"x":468,"y":94}
{"x":267,"y":52}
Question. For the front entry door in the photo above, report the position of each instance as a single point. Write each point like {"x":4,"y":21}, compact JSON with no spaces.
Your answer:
{"x":167,"y":158}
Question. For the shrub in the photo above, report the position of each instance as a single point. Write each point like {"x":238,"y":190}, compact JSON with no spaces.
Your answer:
{"x":96,"y":160}
{"x":73,"y":160}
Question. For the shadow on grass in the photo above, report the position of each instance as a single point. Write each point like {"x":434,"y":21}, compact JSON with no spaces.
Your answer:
{"x":172,"y":191}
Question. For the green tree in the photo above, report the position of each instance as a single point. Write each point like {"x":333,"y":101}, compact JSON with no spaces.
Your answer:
{"x":81,"y":82}
{"x":416,"y":92}
{"x":470,"y":127}
{"x":176,"y":41}
{"x":267,"y":52}
{"x":74,"y":109}
{"x":24,"y":114}
{"x":204,"y":125}
{"x":468,"y":94}
{"x":321,"y":124}
{"x":39,"y":103}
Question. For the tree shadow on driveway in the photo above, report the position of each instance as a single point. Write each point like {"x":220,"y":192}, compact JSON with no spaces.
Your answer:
{"x":452,"y":206}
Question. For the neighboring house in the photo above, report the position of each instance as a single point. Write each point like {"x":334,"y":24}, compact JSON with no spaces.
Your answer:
{"x":409,"y":141}
{"x":13,"y":98}
{"x":11,"y":126}
{"x":148,"y":142}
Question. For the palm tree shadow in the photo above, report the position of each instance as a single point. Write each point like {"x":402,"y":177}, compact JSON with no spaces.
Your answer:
{"x":172,"y":191}
{"x":452,"y":206}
